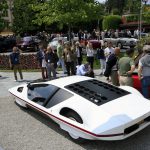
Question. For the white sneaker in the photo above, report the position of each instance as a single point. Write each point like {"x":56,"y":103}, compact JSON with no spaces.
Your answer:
{"x":15,"y":80}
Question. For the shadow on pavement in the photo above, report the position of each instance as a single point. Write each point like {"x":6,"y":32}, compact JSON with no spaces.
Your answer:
{"x":3,"y":77}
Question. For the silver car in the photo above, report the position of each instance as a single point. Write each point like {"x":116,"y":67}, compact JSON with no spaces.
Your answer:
{"x":121,"y":41}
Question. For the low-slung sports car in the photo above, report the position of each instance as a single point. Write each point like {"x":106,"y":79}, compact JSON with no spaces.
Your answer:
{"x":87,"y":108}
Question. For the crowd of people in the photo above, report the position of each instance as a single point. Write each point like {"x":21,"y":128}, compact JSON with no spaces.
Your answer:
{"x":117,"y":70}
{"x":86,"y":35}
{"x":120,"y":70}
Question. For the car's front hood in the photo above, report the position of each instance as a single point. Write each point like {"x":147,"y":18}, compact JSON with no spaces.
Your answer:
{"x":127,"y":108}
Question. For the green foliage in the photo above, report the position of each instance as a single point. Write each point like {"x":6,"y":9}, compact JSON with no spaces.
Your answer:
{"x":122,"y":6}
{"x":115,"y":6}
{"x":142,"y":42}
{"x":135,"y":17}
{"x":146,"y":15}
{"x":23,"y":16}
{"x":3,"y":7}
{"x":2,"y":24}
{"x":132,"y":18}
{"x":132,"y":6}
{"x":66,"y":12}
{"x":111,"y":22}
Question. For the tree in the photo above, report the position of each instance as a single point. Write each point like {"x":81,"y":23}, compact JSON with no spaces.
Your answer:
{"x":146,"y":15}
{"x":112,"y":5}
{"x":132,"y":6}
{"x":23,"y":16}
{"x":111,"y":22}
{"x":66,"y":12}
{"x":3,"y":8}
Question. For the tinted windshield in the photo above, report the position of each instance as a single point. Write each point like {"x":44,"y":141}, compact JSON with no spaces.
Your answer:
{"x":44,"y":91}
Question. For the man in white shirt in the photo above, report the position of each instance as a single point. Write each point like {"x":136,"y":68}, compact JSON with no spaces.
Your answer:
{"x":109,"y":50}
{"x":85,"y":70}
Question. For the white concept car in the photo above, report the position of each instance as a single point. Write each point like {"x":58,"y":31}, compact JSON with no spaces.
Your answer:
{"x":87,"y":108}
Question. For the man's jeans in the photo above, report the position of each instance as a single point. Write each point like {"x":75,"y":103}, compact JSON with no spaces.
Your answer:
{"x":103,"y":65}
{"x":145,"y":86}
{"x":61,"y":62}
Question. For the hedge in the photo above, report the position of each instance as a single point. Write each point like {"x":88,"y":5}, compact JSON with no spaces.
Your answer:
{"x":28,"y":61}
{"x":111,"y":22}
{"x":135,"y":17}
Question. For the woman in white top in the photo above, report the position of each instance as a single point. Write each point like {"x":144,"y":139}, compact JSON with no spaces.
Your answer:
{"x":90,"y":54}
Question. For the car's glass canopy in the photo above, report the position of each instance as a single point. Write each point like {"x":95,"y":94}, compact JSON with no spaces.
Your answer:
{"x":47,"y":95}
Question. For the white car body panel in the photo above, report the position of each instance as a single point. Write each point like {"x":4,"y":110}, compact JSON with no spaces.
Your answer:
{"x":105,"y":122}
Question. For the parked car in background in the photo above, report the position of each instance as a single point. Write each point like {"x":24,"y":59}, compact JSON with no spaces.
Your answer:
{"x":59,"y":38}
{"x":7,"y":43}
{"x":143,"y":34}
{"x":28,"y":44}
{"x":36,"y":39}
{"x":95,"y":43}
{"x":53,"y":44}
{"x":121,"y":41}
{"x":55,"y":40}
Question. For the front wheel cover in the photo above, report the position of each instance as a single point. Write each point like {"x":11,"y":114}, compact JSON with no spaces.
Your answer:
{"x":75,"y":117}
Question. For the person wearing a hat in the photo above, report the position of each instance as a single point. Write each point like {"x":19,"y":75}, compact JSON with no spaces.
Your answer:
{"x":144,"y":71}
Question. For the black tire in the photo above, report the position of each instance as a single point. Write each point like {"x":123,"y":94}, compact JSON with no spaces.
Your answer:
{"x":74,"y":116}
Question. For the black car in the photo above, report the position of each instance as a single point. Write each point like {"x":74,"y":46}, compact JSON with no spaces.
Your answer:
{"x":7,"y":43}
{"x":28,"y":44}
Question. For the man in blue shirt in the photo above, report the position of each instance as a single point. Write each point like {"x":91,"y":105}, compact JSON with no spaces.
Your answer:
{"x":14,"y":60}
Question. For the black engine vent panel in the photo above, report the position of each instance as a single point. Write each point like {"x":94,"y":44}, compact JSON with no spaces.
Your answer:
{"x":96,"y":91}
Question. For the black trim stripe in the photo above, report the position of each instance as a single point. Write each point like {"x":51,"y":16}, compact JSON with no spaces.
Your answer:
{"x":83,"y":130}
